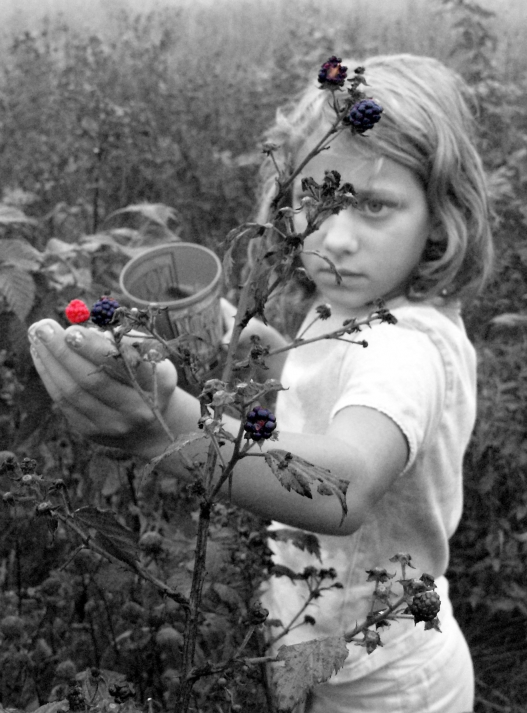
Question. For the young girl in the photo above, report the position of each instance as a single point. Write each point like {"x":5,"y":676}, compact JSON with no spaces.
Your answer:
{"x":393,"y":419}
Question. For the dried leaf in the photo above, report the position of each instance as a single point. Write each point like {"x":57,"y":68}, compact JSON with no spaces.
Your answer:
{"x":332,"y":267}
{"x":116,"y":539}
{"x":248,"y":231}
{"x":303,"y":540}
{"x":307,"y":665}
{"x":297,"y":474}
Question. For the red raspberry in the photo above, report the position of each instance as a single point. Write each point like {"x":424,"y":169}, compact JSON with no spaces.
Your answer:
{"x":77,"y":312}
{"x":425,"y":606}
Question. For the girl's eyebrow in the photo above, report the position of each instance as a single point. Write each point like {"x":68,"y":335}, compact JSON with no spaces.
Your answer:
{"x":385,"y":193}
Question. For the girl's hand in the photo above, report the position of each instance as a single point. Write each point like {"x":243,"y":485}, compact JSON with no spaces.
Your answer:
{"x":89,"y":382}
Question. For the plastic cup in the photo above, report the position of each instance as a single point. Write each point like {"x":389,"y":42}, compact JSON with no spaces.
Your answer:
{"x":184,"y":280}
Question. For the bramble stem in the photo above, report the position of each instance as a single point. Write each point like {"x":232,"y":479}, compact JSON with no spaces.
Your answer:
{"x":192,"y":623}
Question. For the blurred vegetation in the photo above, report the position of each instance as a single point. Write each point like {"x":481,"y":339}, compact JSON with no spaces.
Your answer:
{"x":107,"y":107}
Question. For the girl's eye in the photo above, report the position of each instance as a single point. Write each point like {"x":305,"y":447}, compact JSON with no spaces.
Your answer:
{"x":371,"y":206}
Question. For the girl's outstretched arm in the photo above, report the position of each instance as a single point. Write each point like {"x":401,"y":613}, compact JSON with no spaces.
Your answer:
{"x":363,"y":445}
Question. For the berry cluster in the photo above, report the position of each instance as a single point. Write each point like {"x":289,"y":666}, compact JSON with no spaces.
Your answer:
{"x":364,"y":115}
{"x":260,"y":424}
{"x":332,"y":74}
{"x":101,"y":313}
{"x":425,"y":606}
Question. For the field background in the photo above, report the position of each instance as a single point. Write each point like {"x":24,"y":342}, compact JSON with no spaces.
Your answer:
{"x":109,"y":104}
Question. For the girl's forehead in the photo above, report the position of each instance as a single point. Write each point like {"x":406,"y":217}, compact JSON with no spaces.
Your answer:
{"x":355,"y":165}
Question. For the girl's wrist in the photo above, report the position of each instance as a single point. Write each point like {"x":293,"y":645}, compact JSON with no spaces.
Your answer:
{"x":181,"y":416}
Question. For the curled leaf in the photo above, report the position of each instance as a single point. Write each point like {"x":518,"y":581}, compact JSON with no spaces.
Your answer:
{"x":295,"y":473}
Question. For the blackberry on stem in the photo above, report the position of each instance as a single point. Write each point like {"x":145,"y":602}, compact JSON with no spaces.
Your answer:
{"x":260,"y":424}
{"x":103,"y":310}
{"x":364,"y":115}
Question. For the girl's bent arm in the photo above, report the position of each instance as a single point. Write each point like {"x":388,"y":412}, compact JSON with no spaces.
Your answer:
{"x":363,"y":446}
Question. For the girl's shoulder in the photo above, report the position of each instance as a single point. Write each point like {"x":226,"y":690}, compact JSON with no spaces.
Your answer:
{"x":439,"y":320}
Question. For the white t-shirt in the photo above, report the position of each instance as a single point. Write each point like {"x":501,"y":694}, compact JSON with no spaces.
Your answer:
{"x":421,"y":373}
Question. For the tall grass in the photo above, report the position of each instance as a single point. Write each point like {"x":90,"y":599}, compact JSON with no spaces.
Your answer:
{"x":237,"y":29}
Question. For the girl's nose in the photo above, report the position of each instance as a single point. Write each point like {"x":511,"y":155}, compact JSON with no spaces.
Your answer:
{"x":341,"y":233}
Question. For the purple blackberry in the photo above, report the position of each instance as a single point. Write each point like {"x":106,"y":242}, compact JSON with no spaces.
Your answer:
{"x":332,"y":74}
{"x":103,"y":310}
{"x":364,"y":115}
{"x":425,"y":606}
{"x":260,"y":424}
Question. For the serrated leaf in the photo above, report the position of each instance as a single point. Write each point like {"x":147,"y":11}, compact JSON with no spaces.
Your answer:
{"x":295,"y":473}
{"x":9,"y":215}
{"x":116,"y":539}
{"x":300,"y":539}
{"x":19,"y":253}
{"x":54,"y":707}
{"x":157,"y":213}
{"x":175,"y":447}
{"x":227,"y":594}
{"x":510,"y":319}
{"x":95,"y":689}
{"x":18,"y":290}
{"x":105,"y":474}
{"x":307,"y":665}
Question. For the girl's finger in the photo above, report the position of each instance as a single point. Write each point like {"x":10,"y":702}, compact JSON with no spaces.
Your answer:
{"x":86,"y":412}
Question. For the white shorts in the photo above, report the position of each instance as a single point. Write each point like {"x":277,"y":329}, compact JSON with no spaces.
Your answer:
{"x":437,"y":677}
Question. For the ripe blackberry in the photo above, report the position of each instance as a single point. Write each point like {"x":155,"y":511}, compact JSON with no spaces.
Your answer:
{"x":260,"y":424}
{"x":425,"y":606}
{"x":103,"y":310}
{"x":332,"y":74}
{"x":364,"y":115}
{"x":77,"y":312}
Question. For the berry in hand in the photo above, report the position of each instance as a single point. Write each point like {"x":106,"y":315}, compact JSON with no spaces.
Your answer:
{"x":103,"y":310}
{"x":260,"y":424}
{"x":77,"y":312}
{"x":364,"y":115}
{"x":425,"y":606}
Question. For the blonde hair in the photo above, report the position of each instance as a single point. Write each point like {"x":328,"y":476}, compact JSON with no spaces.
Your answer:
{"x":428,"y":126}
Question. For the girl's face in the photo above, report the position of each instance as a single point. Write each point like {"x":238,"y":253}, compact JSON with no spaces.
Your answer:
{"x":375,"y":246}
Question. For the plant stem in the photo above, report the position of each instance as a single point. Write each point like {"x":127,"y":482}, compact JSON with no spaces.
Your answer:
{"x":192,"y":623}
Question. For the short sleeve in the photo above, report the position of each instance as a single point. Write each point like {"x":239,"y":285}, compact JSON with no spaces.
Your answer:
{"x":401,"y":374}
